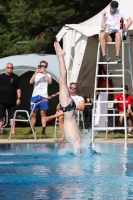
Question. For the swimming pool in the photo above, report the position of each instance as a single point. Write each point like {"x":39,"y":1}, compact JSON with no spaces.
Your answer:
{"x":50,"y":171}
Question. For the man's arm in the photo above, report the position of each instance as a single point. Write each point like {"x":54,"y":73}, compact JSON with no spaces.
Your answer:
{"x":103,"y":25}
{"x":128,"y":24}
{"x":18,"y":96}
{"x":59,"y":113}
{"x":33,"y":76}
{"x":129,"y":109}
{"x":58,"y":107}
{"x":81,"y":105}
{"x":47,"y":77}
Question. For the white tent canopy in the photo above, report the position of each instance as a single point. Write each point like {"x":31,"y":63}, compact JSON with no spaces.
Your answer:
{"x":80,"y":41}
{"x":29,"y":62}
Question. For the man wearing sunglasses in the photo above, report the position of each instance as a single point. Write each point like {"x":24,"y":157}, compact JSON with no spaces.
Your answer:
{"x":112,"y":26}
{"x":10,"y":94}
{"x":80,"y":105}
{"x":40,"y":79}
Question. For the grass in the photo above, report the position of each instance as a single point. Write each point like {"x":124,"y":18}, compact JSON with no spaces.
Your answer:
{"x":21,"y":133}
{"x":110,"y":135}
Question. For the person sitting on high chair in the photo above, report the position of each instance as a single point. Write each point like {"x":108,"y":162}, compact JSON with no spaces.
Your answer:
{"x":120,"y":106}
{"x":112,"y":28}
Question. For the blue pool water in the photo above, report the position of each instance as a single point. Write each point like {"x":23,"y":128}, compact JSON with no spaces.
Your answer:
{"x":50,"y":171}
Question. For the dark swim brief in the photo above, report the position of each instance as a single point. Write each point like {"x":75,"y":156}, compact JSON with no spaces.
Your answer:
{"x":71,"y":106}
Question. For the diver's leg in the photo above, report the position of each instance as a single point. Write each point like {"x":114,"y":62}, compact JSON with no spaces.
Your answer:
{"x":70,"y":126}
{"x":64,"y":95}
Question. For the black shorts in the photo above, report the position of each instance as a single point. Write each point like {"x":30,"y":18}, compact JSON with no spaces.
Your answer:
{"x":112,"y":35}
{"x":71,"y":106}
{"x":10,"y":107}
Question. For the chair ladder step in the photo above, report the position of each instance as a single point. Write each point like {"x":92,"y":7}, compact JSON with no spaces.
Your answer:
{"x":110,"y":63}
{"x":110,"y":75}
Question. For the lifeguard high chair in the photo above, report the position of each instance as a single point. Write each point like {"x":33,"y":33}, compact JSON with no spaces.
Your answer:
{"x":116,"y":71}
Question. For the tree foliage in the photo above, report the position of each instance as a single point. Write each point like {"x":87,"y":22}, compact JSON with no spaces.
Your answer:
{"x":27,"y":20}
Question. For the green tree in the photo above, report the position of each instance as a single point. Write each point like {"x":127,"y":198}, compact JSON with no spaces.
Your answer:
{"x":25,"y":20}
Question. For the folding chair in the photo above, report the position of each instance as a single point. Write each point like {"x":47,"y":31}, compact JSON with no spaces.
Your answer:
{"x":55,"y":127}
{"x":80,"y":117}
{"x":22,"y":120}
{"x":5,"y":120}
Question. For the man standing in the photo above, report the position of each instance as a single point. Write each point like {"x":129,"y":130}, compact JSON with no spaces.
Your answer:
{"x":111,"y":30}
{"x":41,"y":80}
{"x":129,"y":113}
{"x":80,"y":105}
{"x":10,"y":93}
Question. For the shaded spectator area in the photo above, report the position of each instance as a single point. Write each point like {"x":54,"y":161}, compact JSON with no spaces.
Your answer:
{"x":25,"y":66}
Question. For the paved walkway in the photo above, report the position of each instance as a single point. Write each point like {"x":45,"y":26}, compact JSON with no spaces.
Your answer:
{"x":97,"y":140}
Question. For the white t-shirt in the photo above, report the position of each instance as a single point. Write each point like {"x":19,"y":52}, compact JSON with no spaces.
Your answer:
{"x":40,"y":85}
{"x":113,"y":21}
{"x":77,"y":99}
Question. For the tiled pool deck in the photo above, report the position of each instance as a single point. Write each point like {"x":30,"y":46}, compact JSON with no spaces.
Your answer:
{"x":97,"y":140}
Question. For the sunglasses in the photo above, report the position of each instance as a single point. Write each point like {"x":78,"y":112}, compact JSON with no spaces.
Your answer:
{"x":9,"y":67}
{"x":39,"y":66}
{"x":113,"y":8}
{"x":72,"y":88}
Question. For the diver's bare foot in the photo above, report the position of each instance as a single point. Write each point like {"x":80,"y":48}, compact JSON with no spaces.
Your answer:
{"x":49,"y":118}
{"x":58,"y":49}
{"x":60,"y":139}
